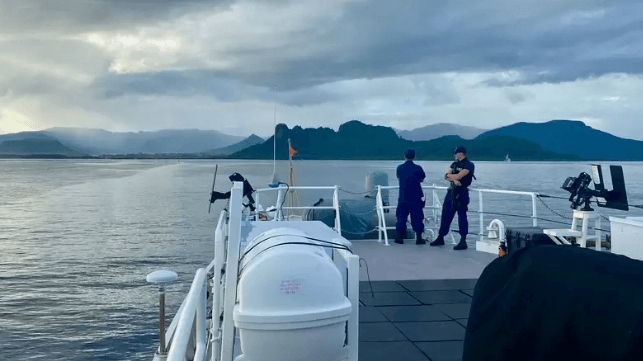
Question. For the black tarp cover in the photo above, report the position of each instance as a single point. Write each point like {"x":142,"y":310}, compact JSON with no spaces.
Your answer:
{"x":557,"y":303}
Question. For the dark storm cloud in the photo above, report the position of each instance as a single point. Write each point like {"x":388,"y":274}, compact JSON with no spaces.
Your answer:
{"x":542,"y":41}
{"x":204,"y":83}
{"x":562,"y":42}
{"x":69,"y":16}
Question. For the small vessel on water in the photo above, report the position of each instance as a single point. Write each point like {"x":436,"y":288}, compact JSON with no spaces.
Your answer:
{"x":507,"y":159}
{"x":288,"y":288}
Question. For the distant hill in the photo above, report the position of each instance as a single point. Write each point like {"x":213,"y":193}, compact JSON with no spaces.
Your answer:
{"x":353,"y":140}
{"x":25,"y":135}
{"x":438,"y":130}
{"x":356,"y":140}
{"x":573,"y":137}
{"x":98,"y":141}
{"x":489,"y":148}
{"x":248,"y":142}
{"x":32,"y":146}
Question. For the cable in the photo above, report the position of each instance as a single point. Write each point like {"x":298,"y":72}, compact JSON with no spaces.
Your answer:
{"x":595,"y":201}
{"x":281,"y":207}
{"x":367,"y":275}
{"x":291,"y":235}
{"x":288,"y":243}
{"x":553,"y":211}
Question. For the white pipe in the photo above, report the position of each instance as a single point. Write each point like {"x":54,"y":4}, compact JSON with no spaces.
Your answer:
{"x":533,"y":206}
{"x":338,"y":223}
{"x":186,"y":320}
{"x":353,"y":295}
{"x":201,"y":328}
{"x":260,"y":190}
{"x":279,"y":212}
{"x":380,"y":216}
{"x":481,"y":216}
{"x":501,"y":229}
{"x":232,"y":269}
{"x":219,"y":249}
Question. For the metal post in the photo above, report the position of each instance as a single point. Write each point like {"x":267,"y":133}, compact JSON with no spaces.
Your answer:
{"x":162,"y":350}
{"x":481,"y":216}
{"x":534,"y":214}
{"x":162,"y":278}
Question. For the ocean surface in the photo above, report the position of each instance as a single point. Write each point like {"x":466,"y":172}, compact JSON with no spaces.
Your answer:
{"x":78,"y":238}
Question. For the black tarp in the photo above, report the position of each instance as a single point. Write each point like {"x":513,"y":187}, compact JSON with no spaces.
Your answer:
{"x":557,"y":303}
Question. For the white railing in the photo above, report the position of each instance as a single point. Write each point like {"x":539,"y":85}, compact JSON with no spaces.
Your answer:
{"x":435,"y":207}
{"x":279,"y":213}
{"x":193,"y":310}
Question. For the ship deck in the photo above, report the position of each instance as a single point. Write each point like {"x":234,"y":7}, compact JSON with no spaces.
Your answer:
{"x":419,"y":306}
{"x":414,"y":320}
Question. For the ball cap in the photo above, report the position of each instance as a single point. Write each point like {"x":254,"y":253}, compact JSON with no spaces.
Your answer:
{"x":460,"y":149}
{"x":409,"y":154}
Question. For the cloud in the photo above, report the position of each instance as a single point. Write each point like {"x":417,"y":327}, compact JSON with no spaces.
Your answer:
{"x":404,"y":64}
{"x":77,"y":16}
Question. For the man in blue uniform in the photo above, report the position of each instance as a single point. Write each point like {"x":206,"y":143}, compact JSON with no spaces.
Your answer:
{"x":411,"y":199}
{"x":459,"y":176}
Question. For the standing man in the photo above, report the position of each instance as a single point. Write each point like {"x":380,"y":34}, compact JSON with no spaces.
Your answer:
{"x":460,"y":175}
{"x":411,"y":199}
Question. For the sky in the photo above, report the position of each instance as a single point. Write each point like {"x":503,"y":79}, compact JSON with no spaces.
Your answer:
{"x":239,"y":66}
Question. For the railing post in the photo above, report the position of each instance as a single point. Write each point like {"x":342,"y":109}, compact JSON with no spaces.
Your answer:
{"x":338,"y":223}
{"x":279,"y":212}
{"x":481,"y":210}
{"x":378,"y":208}
{"x":232,"y":269}
{"x":534,"y":215}
{"x":219,"y":251}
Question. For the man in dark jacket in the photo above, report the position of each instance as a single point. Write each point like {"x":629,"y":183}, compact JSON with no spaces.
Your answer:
{"x":411,"y":199}
{"x":459,"y":176}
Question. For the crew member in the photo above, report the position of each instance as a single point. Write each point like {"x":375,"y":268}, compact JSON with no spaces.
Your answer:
{"x":411,"y":199}
{"x":459,"y":176}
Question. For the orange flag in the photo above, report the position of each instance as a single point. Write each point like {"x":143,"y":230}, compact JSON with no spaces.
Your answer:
{"x":291,"y":151}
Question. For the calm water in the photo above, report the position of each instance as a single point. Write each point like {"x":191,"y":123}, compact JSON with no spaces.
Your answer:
{"x":79,"y":237}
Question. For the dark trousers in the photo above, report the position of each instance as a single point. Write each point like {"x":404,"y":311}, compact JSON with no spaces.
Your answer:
{"x":417,"y":217}
{"x":453,"y":205}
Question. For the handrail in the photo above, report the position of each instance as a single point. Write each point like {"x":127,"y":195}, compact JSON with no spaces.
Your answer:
{"x":436,"y":204}
{"x":280,"y":195}
{"x":194,"y":307}
{"x":217,"y":291}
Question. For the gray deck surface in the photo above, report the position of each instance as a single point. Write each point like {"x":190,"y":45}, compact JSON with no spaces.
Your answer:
{"x":422,"y":299}
{"x":412,"y":262}
{"x":414,"y":320}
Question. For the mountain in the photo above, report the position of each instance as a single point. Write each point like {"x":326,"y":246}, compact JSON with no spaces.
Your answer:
{"x":489,"y":148}
{"x":353,"y":140}
{"x":25,"y":135}
{"x":438,"y":130}
{"x":98,"y":141}
{"x":356,"y":140}
{"x":573,"y":137}
{"x":31,"y":146}
{"x":250,"y":141}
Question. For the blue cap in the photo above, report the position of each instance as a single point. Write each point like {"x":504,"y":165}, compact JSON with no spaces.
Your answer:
{"x":409,"y":154}
{"x":460,"y":149}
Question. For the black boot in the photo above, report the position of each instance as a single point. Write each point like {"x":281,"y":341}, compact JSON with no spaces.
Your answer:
{"x":462,"y":244}
{"x":399,"y":238}
{"x":419,"y":239}
{"x":438,"y":241}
